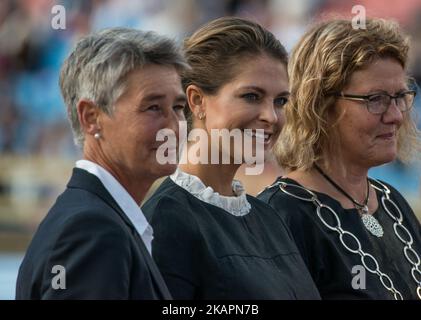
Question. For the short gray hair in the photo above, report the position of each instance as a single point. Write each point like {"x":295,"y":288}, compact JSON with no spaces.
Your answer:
{"x":98,"y":66}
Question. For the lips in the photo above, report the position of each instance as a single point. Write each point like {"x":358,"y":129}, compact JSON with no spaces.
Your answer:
{"x":388,"y":135}
{"x":265,"y":135}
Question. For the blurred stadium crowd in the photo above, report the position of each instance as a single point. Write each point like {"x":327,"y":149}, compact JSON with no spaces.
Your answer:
{"x":34,"y":132}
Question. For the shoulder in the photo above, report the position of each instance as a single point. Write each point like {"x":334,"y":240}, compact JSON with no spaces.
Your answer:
{"x":270,"y":217}
{"x":70,"y":233}
{"x":268,"y":204}
{"x":167,"y":196}
{"x":267,"y":194}
{"x":285,"y":203}
{"x":393,"y":191}
{"x":396,"y":196}
{"x":90,"y":228}
{"x":171,"y":205}
{"x":73,"y":201}
{"x":96,"y":221}
{"x":72,"y":218}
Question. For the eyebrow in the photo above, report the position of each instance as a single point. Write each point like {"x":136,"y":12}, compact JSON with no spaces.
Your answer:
{"x":262,"y":91}
{"x":374,"y":91}
{"x":181,"y":97}
{"x":157,"y":96}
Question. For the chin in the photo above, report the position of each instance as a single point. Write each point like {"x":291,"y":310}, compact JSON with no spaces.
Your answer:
{"x":384,"y":153}
{"x":164,"y":170}
{"x":385,"y":159}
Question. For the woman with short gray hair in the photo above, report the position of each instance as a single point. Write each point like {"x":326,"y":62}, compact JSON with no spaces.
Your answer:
{"x":121,"y":87}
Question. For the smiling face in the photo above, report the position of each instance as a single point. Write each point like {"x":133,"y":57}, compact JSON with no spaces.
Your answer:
{"x":254,"y":99}
{"x":367,"y":139}
{"x":153,"y":100}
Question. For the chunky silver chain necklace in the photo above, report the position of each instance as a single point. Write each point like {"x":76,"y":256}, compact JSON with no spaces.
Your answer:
{"x":369,"y":221}
{"x":367,"y":260}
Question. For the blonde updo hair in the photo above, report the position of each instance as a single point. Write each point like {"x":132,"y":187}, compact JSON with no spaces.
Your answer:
{"x":216,"y":50}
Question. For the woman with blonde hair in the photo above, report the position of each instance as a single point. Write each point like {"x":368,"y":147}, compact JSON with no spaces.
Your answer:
{"x":211,"y":239}
{"x":349,"y":111}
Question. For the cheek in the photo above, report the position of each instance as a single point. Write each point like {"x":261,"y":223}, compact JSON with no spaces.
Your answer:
{"x":222,"y":120}
{"x":218,"y":116}
{"x":356,"y":123}
{"x":357,"y":133}
{"x":281,"y":119}
{"x":229,"y":113}
{"x":348,"y":131}
{"x":244,"y":117}
{"x":147,"y":135}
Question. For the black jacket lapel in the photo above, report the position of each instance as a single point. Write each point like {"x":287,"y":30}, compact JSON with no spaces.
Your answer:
{"x":156,"y":275}
{"x":82,"y":179}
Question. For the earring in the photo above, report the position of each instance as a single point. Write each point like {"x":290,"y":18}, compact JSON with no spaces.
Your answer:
{"x":201,"y":115}
{"x":97,"y":136}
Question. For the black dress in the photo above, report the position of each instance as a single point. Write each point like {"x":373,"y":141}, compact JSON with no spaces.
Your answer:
{"x":330,"y":264}
{"x":204,"y":252}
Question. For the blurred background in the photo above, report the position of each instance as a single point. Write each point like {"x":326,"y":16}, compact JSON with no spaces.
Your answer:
{"x":36,"y":146}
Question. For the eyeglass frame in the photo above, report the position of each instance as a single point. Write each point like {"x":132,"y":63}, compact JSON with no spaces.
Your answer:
{"x":365,"y":98}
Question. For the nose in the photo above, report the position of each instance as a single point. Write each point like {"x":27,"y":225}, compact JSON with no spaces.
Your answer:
{"x":393,"y":114}
{"x":173,"y":121}
{"x":268,"y":114}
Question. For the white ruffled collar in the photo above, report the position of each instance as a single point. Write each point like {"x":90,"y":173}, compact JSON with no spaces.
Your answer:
{"x":235,"y":205}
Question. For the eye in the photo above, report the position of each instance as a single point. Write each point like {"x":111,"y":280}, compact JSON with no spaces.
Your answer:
{"x":178,"y":107}
{"x":154,"y":107}
{"x":377,"y":98}
{"x":250,"y":97}
{"x":280,"y":101}
{"x":403,"y":94}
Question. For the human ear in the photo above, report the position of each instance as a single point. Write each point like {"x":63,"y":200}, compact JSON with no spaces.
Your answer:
{"x":89,"y":117}
{"x":195,"y":99}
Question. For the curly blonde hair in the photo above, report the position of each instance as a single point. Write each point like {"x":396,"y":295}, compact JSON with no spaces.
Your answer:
{"x":322,"y":63}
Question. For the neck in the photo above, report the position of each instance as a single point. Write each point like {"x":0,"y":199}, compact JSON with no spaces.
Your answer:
{"x":137,"y":186}
{"x":350,"y":177}
{"x":217,"y":176}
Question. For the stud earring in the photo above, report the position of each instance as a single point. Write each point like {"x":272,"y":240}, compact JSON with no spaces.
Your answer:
{"x":201,"y":115}
{"x":97,"y":136}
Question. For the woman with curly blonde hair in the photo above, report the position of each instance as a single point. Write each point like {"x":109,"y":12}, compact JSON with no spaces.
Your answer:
{"x":349,"y":111}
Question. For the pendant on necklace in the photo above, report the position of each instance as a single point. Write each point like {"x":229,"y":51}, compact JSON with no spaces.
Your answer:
{"x":364,"y":209}
{"x":371,"y":223}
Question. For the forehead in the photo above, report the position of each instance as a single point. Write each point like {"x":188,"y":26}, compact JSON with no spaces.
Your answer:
{"x":382,"y":74}
{"x":261,"y":70}
{"x":153,"y":77}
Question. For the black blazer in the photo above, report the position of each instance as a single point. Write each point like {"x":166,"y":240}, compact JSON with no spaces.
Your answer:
{"x":88,"y":234}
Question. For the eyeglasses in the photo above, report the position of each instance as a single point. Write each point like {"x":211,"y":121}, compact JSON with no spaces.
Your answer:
{"x":379,"y":103}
